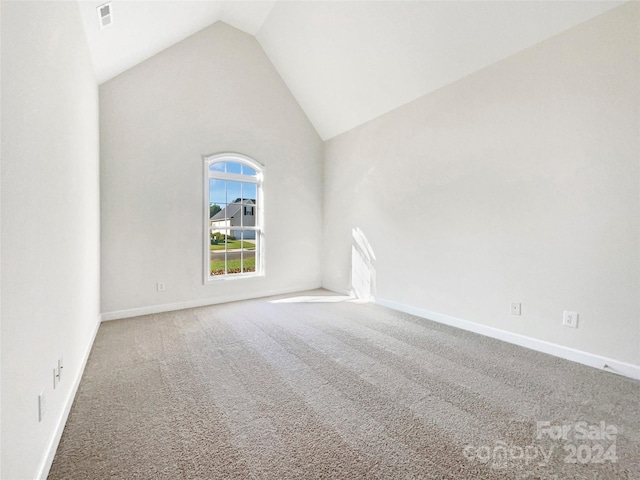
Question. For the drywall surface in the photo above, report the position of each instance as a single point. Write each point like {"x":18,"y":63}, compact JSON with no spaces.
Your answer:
{"x":215,"y":91}
{"x":50,"y":229}
{"x":384,"y":54}
{"x":519,"y":183}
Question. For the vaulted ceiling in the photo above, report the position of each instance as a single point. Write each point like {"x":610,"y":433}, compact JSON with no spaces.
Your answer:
{"x":346,"y":62}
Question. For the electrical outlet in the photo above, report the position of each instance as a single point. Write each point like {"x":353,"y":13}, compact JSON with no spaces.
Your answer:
{"x":570,"y":319}
{"x":41,"y":406}
{"x":516,"y":308}
{"x":160,"y":286}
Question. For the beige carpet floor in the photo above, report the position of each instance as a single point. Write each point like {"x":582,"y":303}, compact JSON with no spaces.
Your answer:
{"x":319,"y":388}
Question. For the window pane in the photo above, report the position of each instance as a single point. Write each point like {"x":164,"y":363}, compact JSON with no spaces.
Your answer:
{"x":248,"y":170}
{"x":217,"y":167}
{"x":234,"y":253}
{"x":248,"y":251}
{"x":218,"y":263}
{"x":217,"y":191}
{"x":249,"y":191}
{"x":233,"y":167}
{"x":248,"y":214}
{"x":218,"y":248}
{"x":218,"y":216}
{"x":219,"y":239}
{"x":234,"y":191}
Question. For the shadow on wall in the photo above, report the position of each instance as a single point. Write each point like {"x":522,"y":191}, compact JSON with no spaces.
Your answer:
{"x":363,"y":274}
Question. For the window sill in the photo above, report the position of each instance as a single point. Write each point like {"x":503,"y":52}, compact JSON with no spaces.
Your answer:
{"x":228,"y":278}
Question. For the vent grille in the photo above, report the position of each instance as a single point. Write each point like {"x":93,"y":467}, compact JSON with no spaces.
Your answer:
{"x":105,"y":15}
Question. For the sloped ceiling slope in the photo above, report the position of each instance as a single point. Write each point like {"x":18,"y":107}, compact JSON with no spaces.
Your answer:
{"x":141,"y":29}
{"x":345,"y":62}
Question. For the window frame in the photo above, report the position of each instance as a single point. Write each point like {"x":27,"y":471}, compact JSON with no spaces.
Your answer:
{"x":258,"y":207}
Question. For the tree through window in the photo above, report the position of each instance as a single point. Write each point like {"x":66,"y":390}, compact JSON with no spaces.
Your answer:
{"x":233,"y":237}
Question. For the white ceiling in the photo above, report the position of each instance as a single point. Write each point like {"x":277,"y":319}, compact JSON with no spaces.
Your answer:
{"x":141,"y":29}
{"x":346,"y":62}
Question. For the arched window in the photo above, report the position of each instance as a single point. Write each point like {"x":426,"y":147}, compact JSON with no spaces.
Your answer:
{"x":233,"y":216}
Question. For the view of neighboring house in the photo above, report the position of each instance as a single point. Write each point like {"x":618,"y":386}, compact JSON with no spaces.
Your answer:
{"x":238,"y":213}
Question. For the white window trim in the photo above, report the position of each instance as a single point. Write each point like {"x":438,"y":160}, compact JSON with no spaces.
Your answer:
{"x":259,"y":178}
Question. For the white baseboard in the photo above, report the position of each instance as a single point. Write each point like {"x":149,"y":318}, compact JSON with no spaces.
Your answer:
{"x":45,"y":466}
{"x":201,"y":302}
{"x":579,"y":356}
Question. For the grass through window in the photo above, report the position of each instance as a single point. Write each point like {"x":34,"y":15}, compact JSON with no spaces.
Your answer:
{"x":233,"y":266}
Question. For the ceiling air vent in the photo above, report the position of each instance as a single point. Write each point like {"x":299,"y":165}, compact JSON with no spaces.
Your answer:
{"x":105,"y":15}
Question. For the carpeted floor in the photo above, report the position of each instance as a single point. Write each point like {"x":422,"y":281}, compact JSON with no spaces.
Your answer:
{"x":320,"y":388}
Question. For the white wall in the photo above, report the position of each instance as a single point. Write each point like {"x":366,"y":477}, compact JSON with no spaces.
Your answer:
{"x":50,"y":229}
{"x":213,"y":92}
{"x":517,"y":183}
